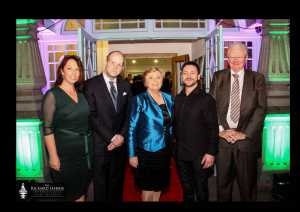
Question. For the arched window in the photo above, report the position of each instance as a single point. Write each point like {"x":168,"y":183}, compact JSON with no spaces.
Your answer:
{"x":226,"y":23}
{"x":118,"y":24}
{"x":74,"y":24}
{"x":180,"y":23}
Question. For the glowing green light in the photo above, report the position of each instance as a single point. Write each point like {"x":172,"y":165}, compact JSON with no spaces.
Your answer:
{"x":279,"y":24}
{"x":278,"y":77}
{"x":279,"y":32}
{"x":23,"y":36}
{"x":22,"y":28}
{"x":25,"y":21}
{"x":276,"y":142}
{"x":29,"y":160}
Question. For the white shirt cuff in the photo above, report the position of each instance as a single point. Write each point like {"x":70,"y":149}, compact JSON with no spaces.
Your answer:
{"x":221,"y":128}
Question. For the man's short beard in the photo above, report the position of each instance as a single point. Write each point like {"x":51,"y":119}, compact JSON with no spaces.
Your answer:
{"x":191,"y":84}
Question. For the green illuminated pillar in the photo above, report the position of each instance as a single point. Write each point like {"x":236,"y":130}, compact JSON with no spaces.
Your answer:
{"x":274,"y":63}
{"x":275,"y":50}
{"x":276,"y":143}
{"x":30,"y":76}
{"x":29,"y":152}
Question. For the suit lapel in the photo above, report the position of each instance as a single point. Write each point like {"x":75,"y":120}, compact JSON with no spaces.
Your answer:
{"x":120,"y":93}
{"x":106,"y":92}
{"x":245,"y":90}
{"x":227,"y":87}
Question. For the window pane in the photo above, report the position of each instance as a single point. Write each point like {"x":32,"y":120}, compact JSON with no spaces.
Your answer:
{"x":202,"y":25}
{"x":158,"y":24}
{"x":142,"y":25}
{"x":51,"y":57}
{"x":172,"y":24}
{"x":58,"y":56}
{"x":190,"y":25}
{"x":74,"y":24}
{"x":250,"y":53}
{"x":50,"y":47}
{"x":82,"y":22}
{"x":129,"y":25}
{"x":97,"y":26}
{"x":59,"y":48}
{"x":71,"y":53}
{"x":52,"y":70}
{"x":111,"y":26}
{"x":249,"y":44}
{"x":110,"y":20}
{"x":249,"y":64}
{"x":226,"y":23}
{"x":129,"y":20}
{"x":71,"y":46}
{"x":189,"y":20}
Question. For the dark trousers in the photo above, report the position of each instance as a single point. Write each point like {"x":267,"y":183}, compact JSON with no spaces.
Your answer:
{"x":233,"y":163}
{"x":109,"y":176}
{"x":194,"y":180}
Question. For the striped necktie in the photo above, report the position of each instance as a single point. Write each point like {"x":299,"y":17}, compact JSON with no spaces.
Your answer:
{"x":235,"y":99}
{"x":113,"y":93}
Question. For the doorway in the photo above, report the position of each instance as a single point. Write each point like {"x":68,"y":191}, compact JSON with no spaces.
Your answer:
{"x":136,"y":64}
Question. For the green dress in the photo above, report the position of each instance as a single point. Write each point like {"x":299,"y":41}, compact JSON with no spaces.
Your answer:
{"x":68,"y":121}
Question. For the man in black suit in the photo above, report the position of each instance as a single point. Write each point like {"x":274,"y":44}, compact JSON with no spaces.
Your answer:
{"x":109,"y":99}
{"x":196,"y":134}
{"x":241,"y":104}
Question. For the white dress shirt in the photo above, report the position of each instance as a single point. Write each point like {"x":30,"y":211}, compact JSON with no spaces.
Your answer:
{"x":241,"y":74}
{"x":107,"y":80}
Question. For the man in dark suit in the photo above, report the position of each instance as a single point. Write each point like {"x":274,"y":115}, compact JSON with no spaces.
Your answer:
{"x":241,"y":104}
{"x":196,"y":134}
{"x":109,"y":100}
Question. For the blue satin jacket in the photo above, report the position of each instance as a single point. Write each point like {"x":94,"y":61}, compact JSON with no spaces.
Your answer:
{"x":146,"y":128}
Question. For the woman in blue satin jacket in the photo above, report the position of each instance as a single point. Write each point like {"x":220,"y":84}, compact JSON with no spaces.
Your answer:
{"x":150,"y":135}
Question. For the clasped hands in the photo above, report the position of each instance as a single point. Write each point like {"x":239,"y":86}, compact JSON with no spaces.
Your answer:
{"x":116,"y":141}
{"x":232,"y":136}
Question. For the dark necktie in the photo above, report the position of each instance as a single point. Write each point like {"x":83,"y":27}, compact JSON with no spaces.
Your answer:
{"x":235,"y":99}
{"x":113,"y":93}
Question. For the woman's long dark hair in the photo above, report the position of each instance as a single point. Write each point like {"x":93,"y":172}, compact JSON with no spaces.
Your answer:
{"x":59,"y":78}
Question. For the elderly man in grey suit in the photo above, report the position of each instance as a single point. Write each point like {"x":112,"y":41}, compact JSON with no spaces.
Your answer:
{"x":241,"y":106}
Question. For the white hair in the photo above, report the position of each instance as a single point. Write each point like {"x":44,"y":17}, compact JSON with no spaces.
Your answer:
{"x":240,"y":45}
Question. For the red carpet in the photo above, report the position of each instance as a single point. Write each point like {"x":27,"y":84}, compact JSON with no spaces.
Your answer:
{"x":132,"y":193}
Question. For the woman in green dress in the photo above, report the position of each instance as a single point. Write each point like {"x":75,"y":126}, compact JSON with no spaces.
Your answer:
{"x":65,"y":114}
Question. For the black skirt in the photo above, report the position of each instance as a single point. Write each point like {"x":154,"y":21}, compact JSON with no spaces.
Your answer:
{"x":153,"y":171}
{"x":75,"y":176}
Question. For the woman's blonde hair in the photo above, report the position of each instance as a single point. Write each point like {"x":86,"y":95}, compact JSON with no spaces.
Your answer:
{"x":150,"y":70}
